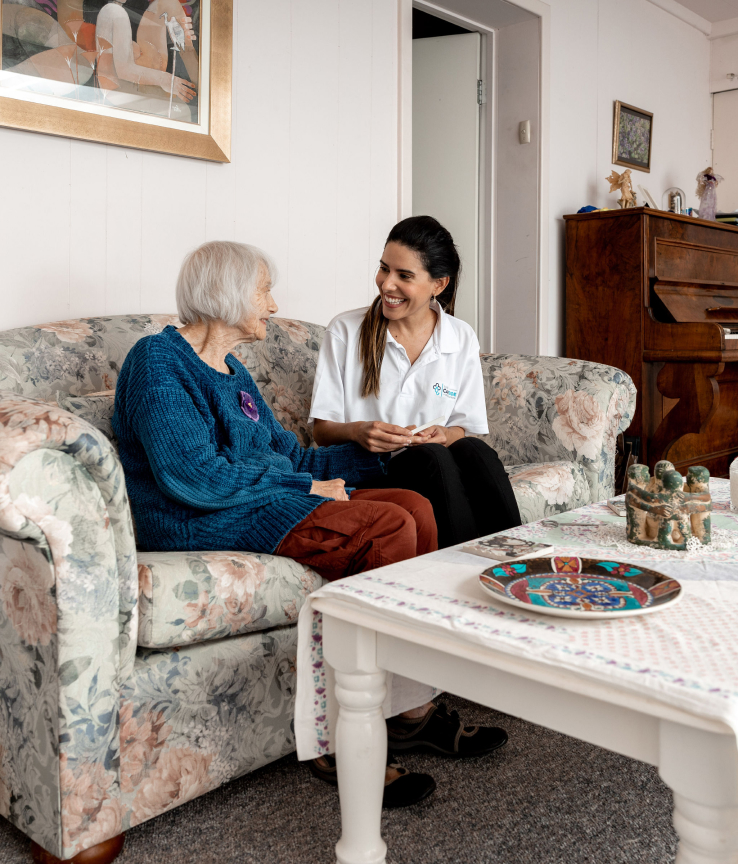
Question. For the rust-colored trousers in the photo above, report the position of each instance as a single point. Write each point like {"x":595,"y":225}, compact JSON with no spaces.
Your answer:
{"x":376,"y":527}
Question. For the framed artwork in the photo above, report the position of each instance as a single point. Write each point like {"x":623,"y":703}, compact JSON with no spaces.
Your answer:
{"x":149,"y":74}
{"x":632,"y":136}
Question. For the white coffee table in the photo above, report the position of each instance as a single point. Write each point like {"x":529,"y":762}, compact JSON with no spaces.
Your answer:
{"x":470,"y":649}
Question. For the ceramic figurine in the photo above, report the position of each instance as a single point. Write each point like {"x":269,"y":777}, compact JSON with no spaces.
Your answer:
{"x":698,"y":484}
{"x":664,"y":513}
{"x":623,"y":183}
{"x":707,"y":182}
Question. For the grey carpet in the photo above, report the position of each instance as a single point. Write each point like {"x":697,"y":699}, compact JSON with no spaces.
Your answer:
{"x":544,"y":799}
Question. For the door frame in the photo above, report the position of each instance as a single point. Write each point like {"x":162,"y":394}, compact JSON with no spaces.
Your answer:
{"x":489,"y":204}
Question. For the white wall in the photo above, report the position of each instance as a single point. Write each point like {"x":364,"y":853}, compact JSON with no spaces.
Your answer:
{"x":724,"y":58}
{"x":638,"y":53}
{"x":87,"y":229}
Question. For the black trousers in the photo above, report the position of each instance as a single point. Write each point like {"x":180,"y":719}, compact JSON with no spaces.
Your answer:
{"x":466,"y":483}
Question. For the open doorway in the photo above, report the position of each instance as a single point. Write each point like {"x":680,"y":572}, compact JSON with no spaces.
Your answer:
{"x":447,"y":97}
{"x":491,"y":187}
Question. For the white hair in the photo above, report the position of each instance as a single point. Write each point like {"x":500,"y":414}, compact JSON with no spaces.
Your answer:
{"x":217,"y":282}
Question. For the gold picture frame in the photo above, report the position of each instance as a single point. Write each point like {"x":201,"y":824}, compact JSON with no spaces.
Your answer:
{"x":212,"y":144}
{"x":631,"y":126}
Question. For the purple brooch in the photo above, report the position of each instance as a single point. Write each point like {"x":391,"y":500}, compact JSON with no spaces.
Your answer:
{"x":248,"y":406}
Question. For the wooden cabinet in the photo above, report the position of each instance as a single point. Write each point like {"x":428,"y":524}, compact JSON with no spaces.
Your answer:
{"x":656,"y":295}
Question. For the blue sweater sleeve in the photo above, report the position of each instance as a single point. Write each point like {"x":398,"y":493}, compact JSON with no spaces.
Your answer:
{"x":347,"y":461}
{"x":188,"y":467}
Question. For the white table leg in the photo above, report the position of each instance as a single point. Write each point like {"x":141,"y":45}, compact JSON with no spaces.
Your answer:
{"x":361,"y":740}
{"x":702,"y":769}
{"x":707,"y":835}
{"x":361,"y":751}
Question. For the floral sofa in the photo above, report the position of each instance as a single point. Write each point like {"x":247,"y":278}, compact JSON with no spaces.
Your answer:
{"x":119,"y":697}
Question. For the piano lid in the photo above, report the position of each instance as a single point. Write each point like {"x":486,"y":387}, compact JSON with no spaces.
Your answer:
{"x":692,"y":303}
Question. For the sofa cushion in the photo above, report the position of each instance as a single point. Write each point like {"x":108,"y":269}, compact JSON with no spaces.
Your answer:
{"x":544,"y":488}
{"x":95,"y":408}
{"x":187,"y":597}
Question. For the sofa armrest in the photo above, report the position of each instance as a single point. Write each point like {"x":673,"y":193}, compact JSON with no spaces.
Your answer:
{"x":68,"y":620}
{"x":543,"y":409}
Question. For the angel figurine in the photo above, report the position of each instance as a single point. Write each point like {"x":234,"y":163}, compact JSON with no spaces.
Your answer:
{"x":707,"y":182}
{"x":623,"y":183}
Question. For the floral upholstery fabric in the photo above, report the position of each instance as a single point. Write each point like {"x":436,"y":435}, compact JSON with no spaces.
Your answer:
{"x":545,"y":409}
{"x":97,"y":735}
{"x":546,"y":488}
{"x":188,"y":597}
{"x":195,"y":718}
{"x":97,"y":410}
{"x":77,"y":357}
{"x":68,"y":622}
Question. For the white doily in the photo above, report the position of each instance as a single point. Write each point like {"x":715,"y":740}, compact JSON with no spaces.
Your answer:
{"x":616,"y":536}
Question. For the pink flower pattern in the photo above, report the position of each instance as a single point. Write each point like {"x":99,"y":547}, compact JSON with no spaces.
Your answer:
{"x":26,"y":586}
{"x":181,"y":774}
{"x":141,"y":740}
{"x":295,"y":330}
{"x":202,"y":616}
{"x":580,"y":423}
{"x":236,"y":575}
{"x":68,"y":331}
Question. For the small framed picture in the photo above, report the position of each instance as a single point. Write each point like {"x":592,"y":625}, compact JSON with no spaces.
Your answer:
{"x":632,"y":136}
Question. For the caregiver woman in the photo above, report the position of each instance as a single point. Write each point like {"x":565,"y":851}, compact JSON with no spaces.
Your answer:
{"x":403,"y":362}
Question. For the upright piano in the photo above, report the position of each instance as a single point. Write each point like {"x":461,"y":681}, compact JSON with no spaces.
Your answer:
{"x":656,"y":295}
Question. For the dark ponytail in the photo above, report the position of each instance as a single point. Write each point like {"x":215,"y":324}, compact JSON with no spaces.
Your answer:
{"x":435,"y":247}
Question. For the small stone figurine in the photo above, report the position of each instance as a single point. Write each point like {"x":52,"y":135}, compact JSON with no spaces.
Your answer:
{"x":623,"y":183}
{"x":663,"y":512}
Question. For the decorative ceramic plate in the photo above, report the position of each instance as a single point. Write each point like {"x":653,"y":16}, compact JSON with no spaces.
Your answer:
{"x":580,"y":587}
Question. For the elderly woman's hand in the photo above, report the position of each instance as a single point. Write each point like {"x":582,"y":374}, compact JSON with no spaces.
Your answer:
{"x":330,"y":489}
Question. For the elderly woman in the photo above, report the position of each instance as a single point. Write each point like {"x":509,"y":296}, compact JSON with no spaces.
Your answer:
{"x":208,"y":467}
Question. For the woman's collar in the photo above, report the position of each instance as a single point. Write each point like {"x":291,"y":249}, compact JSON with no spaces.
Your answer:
{"x":445,"y":333}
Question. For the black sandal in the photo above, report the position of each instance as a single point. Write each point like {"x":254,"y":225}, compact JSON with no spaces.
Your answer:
{"x":404,"y":791}
{"x":443,"y":732}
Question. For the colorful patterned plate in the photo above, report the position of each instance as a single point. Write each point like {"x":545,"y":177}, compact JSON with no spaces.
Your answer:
{"x":580,"y":587}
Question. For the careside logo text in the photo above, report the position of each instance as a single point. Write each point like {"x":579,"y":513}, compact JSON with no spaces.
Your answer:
{"x":445,"y":390}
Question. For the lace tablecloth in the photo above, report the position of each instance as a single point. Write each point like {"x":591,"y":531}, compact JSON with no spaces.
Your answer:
{"x":685,"y":655}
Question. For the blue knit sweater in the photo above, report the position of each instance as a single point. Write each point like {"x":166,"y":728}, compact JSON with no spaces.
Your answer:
{"x":201,"y":473}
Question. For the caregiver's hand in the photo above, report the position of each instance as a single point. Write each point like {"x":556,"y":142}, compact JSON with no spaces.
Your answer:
{"x":378,"y":437}
{"x":330,"y":489}
{"x":432,"y":435}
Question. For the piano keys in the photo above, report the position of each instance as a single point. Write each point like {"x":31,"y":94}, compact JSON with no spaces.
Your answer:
{"x":656,"y":295}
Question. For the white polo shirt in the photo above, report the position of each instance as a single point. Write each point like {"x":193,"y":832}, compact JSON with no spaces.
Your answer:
{"x":445,"y":380}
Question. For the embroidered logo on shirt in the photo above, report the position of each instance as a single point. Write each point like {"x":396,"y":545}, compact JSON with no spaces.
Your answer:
{"x":445,"y":390}
{"x":248,"y":406}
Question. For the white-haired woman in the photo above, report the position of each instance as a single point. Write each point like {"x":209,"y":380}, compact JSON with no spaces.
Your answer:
{"x":207,"y":464}
{"x":208,"y":467}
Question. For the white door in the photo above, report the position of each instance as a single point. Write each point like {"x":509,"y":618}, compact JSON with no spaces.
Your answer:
{"x":725,"y":148}
{"x":446,"y":149}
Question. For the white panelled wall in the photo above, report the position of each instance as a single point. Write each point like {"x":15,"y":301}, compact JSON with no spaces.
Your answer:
{"x":88,"y":229}
{"x":638,"y":53}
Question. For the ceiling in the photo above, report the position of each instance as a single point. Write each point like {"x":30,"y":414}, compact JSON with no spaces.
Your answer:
{"x":713,"y":10}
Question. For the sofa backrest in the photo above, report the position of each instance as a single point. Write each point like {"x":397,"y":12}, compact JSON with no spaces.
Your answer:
{"x":85,"y":356}
{"x":78,"y":357}
{"x":540,"y":409}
